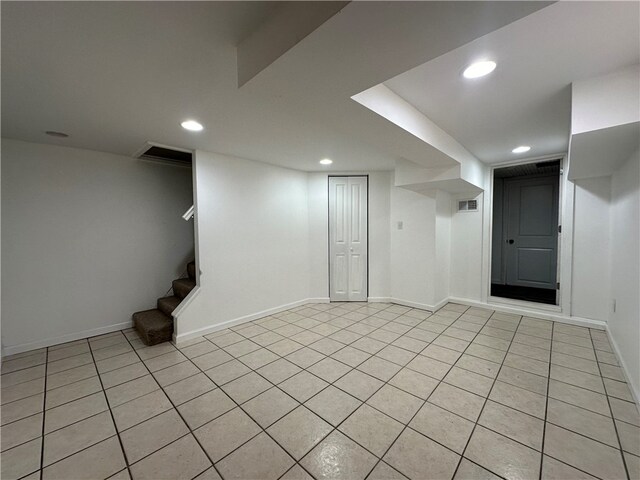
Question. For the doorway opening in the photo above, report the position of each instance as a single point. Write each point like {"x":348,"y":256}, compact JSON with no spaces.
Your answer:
{"x":348,"y":238}
{"x":525,"y":248}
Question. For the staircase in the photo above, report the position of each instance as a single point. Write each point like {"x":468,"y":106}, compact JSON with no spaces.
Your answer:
{"x":156,"y":326}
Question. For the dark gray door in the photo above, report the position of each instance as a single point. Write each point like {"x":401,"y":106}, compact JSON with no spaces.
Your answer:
{"x":532,"y":232}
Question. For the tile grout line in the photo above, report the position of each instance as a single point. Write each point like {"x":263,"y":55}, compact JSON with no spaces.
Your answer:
{"x":179,"y":414}
{"x":406,"y":425}
{"x":333,"y":429}
{"x":73,"y":423}
{"x":351,"y":368}
{"x":546,"y":407}
{"x":113,"y":420}
{"x":301,"y":403}
{"x":613,"y":419}
{"x":44,"y":413}
{"x":386,"y":382}
{"x":440,"y":381}
{"x":486,"y":399}
{"x":443,"y":333}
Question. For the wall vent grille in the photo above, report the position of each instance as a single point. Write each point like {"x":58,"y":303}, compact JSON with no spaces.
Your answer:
{"x":467,"y":205}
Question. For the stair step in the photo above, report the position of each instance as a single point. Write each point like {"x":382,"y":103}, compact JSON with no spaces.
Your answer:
{"x":182,"y":287}
{"x":191,"y":270}
{"x":168,"y":304}
{"x":153,"y":326}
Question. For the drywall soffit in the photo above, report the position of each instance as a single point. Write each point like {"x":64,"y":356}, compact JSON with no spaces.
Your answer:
{"x":599,"y":153}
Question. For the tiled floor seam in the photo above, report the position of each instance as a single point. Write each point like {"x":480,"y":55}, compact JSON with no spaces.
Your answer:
{"x":406,"y":425}
{"x":263,"y":430}
{"x":276,"y":385}
{"x":124,"y":453}
{"x":546,"y":405}
{"x":615,"y":426}
{"x":86,"y":447}
{"x":302,"y":404}
{"x":442,"y":333}
{"x":44,"y":405}
{"x":21,"y":369}
{"x":475,"y":424}
{"x":181,"y":417}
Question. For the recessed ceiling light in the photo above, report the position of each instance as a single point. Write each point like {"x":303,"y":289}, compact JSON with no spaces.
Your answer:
{"x":192,"y":125}
{"x":326,"y":161}
{"x":52,"y":133}
{"x":479,"y":69}
{"x":521,"y":149}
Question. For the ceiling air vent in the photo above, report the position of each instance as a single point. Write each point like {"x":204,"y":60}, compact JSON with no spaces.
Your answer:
{"x":467,"y":205}
{"x":165,"y":154}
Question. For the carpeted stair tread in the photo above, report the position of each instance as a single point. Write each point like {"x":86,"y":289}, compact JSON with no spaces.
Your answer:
{"x":182,"y":287}
{"x":191,"y":270}
{"x":168,"y":304}
{"x":153,"y":326}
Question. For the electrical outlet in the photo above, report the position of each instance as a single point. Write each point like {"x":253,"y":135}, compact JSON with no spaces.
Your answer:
{"x":400,"y":225}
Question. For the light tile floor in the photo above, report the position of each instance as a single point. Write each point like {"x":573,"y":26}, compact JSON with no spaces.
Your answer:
{"x":350,"y":391}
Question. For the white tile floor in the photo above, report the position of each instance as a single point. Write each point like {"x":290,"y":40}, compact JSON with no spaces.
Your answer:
{"x":351,"y":391}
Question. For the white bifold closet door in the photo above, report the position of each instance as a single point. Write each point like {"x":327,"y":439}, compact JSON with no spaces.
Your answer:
{"x":348,"y":239}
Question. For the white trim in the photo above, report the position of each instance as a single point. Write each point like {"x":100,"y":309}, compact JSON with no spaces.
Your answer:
{"x":566,"y":239}
{"x":379,"y":299}
{"x":184,"y":303}
{"x":179,"y":339}
{"x":524,"y":161}
{"x":409,"y":303}
{"x":147,"y":145}
{"x":565,"y":242}
{"x":524,"y":304}
{"x":537,"y":313}
{"x":48,"y":342}
{"x":635,"y":393}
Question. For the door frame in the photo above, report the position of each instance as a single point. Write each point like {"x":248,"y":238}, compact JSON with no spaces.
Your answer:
{"x":565,"y":238}
{"x":366,"y":175}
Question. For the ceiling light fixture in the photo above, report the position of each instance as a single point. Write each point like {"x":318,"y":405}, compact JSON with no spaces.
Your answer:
{"x":326,"y":161}
{"x":53,"y":133}
{"x":479,"y":69}
{"x":521,"y":149}
{"x":192,"y":125}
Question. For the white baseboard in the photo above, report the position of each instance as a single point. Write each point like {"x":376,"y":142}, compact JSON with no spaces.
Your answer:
{"x":48,"y":342}
{"x":183,"y":337}
{"x":409,"y":303}
{"x":379,"y":299}
{"x":634,"y":388}
{"x":318,"y":300}
{"x":422,"y":306}
{"x":530,"y":312}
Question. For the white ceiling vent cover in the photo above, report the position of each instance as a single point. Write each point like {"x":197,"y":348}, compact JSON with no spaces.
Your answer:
{"x":467,"y":205}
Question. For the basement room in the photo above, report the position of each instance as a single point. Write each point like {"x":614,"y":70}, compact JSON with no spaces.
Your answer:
{"x":316,"y":240}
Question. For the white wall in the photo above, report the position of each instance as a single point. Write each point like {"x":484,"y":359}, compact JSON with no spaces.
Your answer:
{"x":88,"y":238}
{"x":605,"y":101}
{"x":466,"y":251}
{"x":379,"y":235}
{"x":442,"y":260}
{"x":412,"y":249}
{"x":624,"y":324}
{"x":591,"y":249}
{"x":253,"y":236}
{"x":444,"y":148}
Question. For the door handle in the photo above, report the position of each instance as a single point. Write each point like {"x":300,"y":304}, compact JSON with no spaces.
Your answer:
{"x":510,"y":241}
{"x":351,"y":249}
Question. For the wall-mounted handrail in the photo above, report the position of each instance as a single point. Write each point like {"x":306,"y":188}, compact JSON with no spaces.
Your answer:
{"x":189,"y":213}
